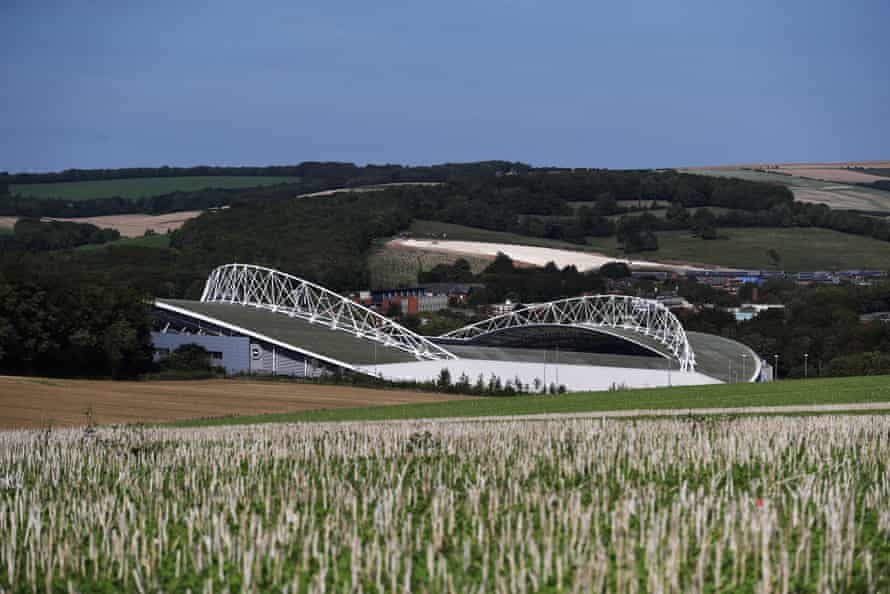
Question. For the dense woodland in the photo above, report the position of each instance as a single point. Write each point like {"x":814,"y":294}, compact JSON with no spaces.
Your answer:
{"x":58,"y":323}
{"x":822,"y":322}
{"x":312,"y":176}
{"x":85,"y":307}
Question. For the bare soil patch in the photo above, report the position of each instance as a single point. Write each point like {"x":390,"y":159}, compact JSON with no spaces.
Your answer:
{"x":30,"y":402}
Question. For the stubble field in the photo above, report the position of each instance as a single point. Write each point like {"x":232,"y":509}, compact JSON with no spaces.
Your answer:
{"x":674,"y":506}
{"x":817,"y":184}
{"x":129,"y":225}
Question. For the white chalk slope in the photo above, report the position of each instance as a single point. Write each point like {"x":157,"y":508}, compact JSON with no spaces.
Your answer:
{"x":538,"y":256}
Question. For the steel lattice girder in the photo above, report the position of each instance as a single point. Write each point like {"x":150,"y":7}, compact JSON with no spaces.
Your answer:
{"x":265,"y":288}
{"x":644,"y":316}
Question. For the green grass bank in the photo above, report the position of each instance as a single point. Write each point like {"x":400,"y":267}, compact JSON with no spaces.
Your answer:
{"x":789,"y":392}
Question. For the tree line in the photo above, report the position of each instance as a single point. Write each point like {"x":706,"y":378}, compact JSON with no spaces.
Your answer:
{"x":36,"y":235}
{"x":310,"y":177}
{"x":342,"y":172}
{"x":502,"y":280}
{"x":569,"y":206}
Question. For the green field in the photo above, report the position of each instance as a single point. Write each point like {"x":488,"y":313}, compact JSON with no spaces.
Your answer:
{"x":159,"y":240}
{"x":801,"y":248}
{"x":142,"y":187}
{"x":797,"y":392}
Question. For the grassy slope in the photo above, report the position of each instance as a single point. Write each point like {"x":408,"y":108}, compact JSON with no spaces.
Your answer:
{"x":800,"y":248}
{"x":142,"y":187}
{"x":426,"y":229}
{"x":391,"y":266}
{"x":160,"y":240}
{"x":823,"y":391}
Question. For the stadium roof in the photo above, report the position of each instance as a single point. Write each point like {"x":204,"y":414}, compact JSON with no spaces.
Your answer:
{"x":278,"y":328}
{"x":589,"y":334}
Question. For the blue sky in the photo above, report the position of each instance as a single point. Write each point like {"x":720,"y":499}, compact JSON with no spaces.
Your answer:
{"x":601,"y":84}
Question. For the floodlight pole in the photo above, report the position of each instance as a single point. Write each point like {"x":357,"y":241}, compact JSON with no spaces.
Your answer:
{"x":776,"y":368}
{"x":806,"y":358}
{"x":557,"y":367}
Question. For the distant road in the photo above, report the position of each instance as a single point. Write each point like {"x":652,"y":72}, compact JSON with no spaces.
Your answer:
{"x":374,"y":188}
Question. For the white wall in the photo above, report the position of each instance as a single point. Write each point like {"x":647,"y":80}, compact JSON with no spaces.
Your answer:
{"x":576,"y":378}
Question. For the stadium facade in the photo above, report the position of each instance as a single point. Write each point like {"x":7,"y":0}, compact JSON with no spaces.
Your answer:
{"x":258,"y":320}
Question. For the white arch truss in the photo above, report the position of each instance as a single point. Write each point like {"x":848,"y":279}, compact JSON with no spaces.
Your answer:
{"x":265,"y":288}
{"x":602,"y":312}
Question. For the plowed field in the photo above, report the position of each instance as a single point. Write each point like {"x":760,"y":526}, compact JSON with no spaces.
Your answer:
{"x":28,"y":402}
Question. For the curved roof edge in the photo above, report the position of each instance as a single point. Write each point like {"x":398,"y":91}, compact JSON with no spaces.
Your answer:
{"x":254,"y":334}
{"x":280,"y":292}
{"x":646,"y":317}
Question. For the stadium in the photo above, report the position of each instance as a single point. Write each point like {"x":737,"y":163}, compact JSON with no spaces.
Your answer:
{"x":256,"y":320}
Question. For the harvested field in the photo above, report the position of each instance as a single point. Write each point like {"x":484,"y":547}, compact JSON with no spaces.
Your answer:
{"x":805,"y":189}
{"x":845,"y":176}
{"x":36,"y":402}
{"x":683,"y":505}
{"x":845,"y":197}
{"x":129,"y":225}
